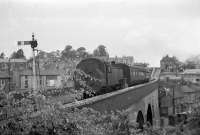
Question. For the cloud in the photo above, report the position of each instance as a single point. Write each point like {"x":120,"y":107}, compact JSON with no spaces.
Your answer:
{"x":146,"y":29}
{"x":150,"y":41}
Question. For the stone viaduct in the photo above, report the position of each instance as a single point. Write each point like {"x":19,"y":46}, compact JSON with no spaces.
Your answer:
{"x":140,"y":102}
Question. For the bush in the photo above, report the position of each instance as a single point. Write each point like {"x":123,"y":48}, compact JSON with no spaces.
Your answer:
{"x":33,"y":115}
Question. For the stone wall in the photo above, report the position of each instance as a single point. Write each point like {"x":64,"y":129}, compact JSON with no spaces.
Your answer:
{"x":118,"y":100}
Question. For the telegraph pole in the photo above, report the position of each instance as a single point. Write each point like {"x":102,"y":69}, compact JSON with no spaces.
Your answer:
{"x":33,"y":44}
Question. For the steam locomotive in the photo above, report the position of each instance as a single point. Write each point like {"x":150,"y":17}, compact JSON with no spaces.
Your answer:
{"x":111,"y":76}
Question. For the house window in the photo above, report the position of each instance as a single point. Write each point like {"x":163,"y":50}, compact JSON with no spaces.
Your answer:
{"x":2,"y":83}
{"x":26,"y":81}
{"x":26,"y":84}
{"x":164,"y":111}
{"x":40,"y":80}
{"x":51,"y":80}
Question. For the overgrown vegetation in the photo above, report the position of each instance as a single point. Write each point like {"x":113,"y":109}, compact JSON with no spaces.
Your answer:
{"x":86,"y":84}
{"x":33,"y":115}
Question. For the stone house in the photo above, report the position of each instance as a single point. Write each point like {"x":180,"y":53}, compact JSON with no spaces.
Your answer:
{"x":188,"y":100}
{"x":191,"y":75}
{"x":129,"y":60}
{"x":13,"y":67}
{"x":166,"y":106}
{"x":4,"y":81}
{"x":169,"y":64}
{"x":12,"y":64}
{"x":45,"y":79}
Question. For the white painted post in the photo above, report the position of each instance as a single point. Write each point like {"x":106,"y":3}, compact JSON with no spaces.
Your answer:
{"x":34,"y":73}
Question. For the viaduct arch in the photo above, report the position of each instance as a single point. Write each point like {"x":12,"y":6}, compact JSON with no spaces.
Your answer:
{"x":140,"y":119}
{"x":140,"y":102}
{"x":149,"y":115}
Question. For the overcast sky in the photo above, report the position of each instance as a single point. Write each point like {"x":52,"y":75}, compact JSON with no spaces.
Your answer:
{"x":145,"y":29}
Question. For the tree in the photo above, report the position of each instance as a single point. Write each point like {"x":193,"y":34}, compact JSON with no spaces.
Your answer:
{"x":192,"y":62}
{"x":18,"y":55}
{"x":189,"y":65}
{"x":100,"y":51}
{"x":68,"y":52}
{"x":41,"y":54}
{"x":33,"y":114}
{"x":2,"y":55}
{"x":81,"y":49}
{"x":81,"y":52}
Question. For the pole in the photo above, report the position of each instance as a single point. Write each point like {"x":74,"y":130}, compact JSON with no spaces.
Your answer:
{"x":173,"y":100}
{"x":34,"y":68}
{"x":9,"y":74}
{"x":34,"y":73}
{"x":38,"y":67}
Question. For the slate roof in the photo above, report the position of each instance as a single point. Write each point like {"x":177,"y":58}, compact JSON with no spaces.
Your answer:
{"x":192,"y":71}
{"x":12,"y":60}
{"x":196,"y":88}
{"x":167,"y":58}
{"x":42,"y":72}
{"x":178,"y":93}
{"x":183,"y":90}
{"x":187,"y":89}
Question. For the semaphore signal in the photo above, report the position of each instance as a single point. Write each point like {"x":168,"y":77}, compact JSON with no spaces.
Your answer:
{"x":33,"y":43}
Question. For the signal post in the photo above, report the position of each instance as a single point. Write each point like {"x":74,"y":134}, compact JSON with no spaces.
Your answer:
{"x":33,"y":44}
